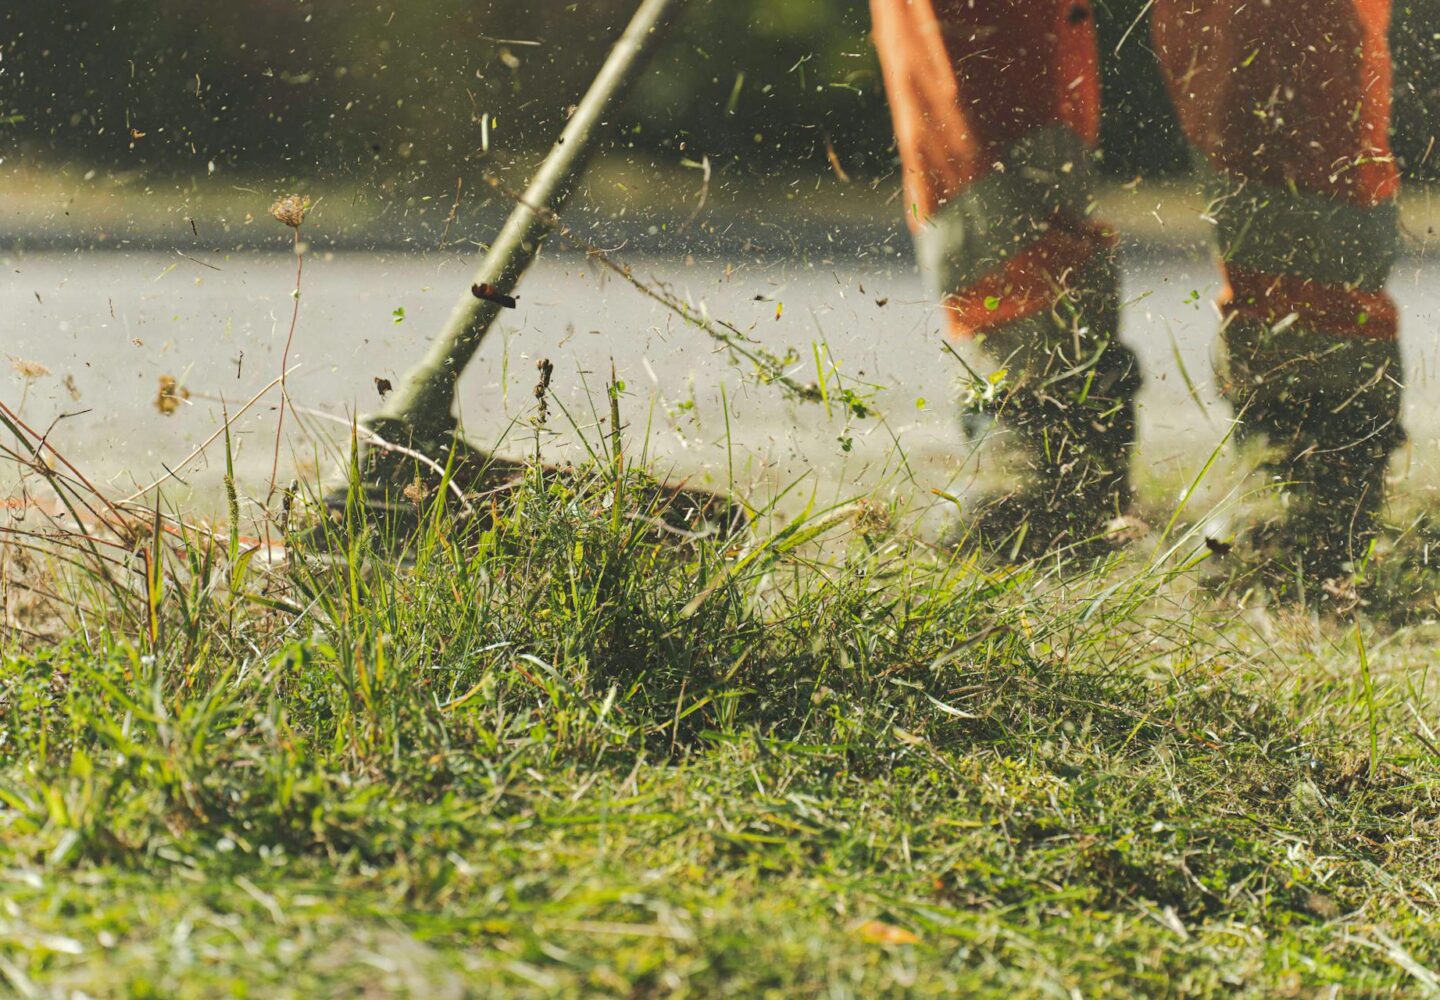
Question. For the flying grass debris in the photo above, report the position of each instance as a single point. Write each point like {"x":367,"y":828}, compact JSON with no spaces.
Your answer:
{"x":770,"y":368}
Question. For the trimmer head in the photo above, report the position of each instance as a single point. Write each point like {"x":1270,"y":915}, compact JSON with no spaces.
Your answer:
{"x":391,"y":492}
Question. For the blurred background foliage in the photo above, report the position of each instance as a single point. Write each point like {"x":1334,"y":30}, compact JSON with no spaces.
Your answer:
{"x":404,"y":91}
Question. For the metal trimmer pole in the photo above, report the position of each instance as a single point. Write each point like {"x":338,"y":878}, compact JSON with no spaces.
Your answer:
{"x":423,"y":401}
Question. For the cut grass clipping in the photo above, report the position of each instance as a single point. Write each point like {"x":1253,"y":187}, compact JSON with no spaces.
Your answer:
{"x":564,"y":754}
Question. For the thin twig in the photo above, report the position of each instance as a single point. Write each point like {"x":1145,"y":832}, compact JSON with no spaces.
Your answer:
{"x":729,"y":337}
{"x":284,"y":364}
{"x":14,"y":418}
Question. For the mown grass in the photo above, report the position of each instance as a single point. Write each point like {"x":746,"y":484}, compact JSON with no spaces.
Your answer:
{"x":561,"y":754}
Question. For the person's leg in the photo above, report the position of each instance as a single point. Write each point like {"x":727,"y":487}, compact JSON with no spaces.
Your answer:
{"x":1290,"y":105}
{"x":996,"y":112}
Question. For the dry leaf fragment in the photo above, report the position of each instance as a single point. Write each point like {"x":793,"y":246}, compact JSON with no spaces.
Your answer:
{"x":879,"y":932}
{"x":170,"y":396}
{"x":834,"y":159}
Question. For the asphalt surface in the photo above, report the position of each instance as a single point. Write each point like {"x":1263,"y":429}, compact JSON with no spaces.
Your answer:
{"x":88,"y":335}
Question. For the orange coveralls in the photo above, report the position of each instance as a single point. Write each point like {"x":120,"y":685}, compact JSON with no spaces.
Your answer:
{"x":996,"y":105}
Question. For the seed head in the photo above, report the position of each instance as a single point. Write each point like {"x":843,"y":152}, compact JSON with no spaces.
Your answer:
{"x":542,"y":389}
{"x":290,"y":210}
{"x":28,"y":370}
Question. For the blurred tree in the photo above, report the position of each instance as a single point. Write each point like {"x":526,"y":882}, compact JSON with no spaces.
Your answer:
{"x":393,"y":91}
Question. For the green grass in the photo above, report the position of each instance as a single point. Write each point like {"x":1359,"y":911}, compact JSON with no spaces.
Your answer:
{"x":558,"y":756}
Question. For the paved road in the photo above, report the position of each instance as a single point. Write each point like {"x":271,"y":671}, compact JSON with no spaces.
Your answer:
{"x":108,"y":324}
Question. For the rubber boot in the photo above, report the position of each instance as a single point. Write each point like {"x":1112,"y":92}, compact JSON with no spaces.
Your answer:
{"x":1329,"y":409}
{"x":1066,"y":408}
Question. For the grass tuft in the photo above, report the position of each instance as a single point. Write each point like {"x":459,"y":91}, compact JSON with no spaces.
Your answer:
{"x":546,"y":748}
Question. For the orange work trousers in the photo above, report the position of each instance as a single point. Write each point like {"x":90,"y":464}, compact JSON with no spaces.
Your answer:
{"x":996,"y":105}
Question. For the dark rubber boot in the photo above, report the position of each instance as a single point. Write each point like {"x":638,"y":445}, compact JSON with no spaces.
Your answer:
{"x":1067,"y":405}
{"x":1329,"y":409}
